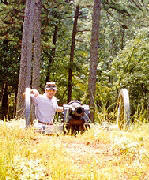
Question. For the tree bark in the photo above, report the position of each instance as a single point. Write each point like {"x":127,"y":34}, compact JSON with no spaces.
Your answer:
{"x":37,"y":53}
{"x":37,"y":45}
{"x":74,"y":31}
{"x":122,"y":33}
{"x":4,"y":107}
{"x":94,"y":56}
{"x":52,"y":55}
{"x":26,"y":56}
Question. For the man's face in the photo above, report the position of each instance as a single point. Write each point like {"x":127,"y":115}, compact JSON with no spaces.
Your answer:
{"x":50,"y":93}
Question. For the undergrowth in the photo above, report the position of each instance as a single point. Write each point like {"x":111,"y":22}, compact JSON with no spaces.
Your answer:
{"x":97,"y":154}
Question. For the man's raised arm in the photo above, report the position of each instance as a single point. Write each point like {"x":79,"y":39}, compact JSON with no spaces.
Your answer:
{"x":33,"y":92}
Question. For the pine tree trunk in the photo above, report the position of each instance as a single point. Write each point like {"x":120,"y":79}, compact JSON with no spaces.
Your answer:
{"x":26,"y":56}
{"x":94,"y":56}
{"x":37,"y":45}
{"x":4,"y":107}
{"x":74,"y":31}
{"x":122,"y":33}
{"x":37,"y":52}
{"x":52,"y":54}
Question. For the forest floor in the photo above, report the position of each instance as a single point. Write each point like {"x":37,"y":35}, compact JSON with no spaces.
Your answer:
{"x":103,"y":152}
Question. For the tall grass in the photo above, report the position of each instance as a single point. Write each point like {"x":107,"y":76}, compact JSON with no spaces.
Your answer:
{"x":141,"y":115}
{"x":97,"y":154}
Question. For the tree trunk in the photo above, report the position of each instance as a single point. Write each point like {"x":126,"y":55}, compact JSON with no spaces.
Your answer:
{"x":52,"y":55}
{"x":4,"y":107}
{"x":94,"y":56}
{"x":74,"y":31}
{"x":37,"y":45}
{"x":14,"y":111}
{"x":122,"y":33}
{"x":37,"y":53}
{"x":26,"y":56}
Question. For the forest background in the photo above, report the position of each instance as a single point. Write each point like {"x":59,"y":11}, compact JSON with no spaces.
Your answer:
{"x":123,"y":53}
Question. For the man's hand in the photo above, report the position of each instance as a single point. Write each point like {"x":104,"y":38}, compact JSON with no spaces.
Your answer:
{"x":34,"y":92}
{"x":60,"y":109}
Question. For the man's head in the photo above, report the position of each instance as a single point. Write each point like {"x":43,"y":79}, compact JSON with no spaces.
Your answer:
{"x":50,"y":89}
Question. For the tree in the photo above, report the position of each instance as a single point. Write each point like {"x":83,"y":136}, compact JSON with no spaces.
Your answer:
{"x":26,"y":56}
{"x":9,"y":42}
{"x":74,"y":31}
{"x":94,"y":56}
{"x":52,"y":54}
{"x":4,"y":107}
{"x":119,"y":22}
{"x":130,"y":69}
{"x":37,"y":52}
{"x":37,"y":45}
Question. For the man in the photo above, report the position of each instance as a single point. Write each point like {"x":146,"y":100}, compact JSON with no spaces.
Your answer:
{"x":46,"y":104}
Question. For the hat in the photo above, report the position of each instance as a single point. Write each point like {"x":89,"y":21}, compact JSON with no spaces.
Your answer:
{"x":50,"y":86}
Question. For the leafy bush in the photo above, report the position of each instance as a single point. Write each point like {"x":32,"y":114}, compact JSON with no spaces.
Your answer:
{"x":131,"y":69}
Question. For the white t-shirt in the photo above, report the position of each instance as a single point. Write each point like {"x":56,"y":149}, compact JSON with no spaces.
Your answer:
{"x":45,"y":108}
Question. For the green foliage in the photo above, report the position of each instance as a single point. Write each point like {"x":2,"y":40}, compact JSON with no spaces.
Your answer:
{"x":131,"y":69}
{"x":141,"y":115}
{"x":10,"y":41}
{"x":118,"y":24}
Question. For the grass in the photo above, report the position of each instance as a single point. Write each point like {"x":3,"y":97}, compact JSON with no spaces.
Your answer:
{"x":97,"y":154}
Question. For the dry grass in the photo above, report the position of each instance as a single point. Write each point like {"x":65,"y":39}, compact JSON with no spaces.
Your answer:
{"x":97,"y":154}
